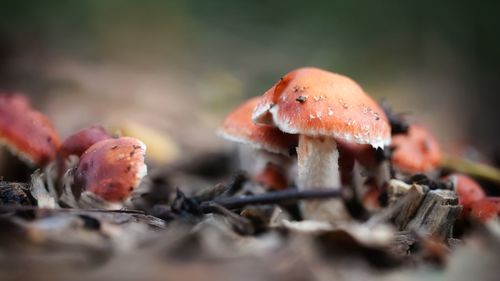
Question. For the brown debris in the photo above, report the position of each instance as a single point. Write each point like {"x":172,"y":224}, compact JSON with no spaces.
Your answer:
{"x":437,"y":214}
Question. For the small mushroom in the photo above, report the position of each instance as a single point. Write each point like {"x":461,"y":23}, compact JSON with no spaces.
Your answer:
{"x":415,"y":152}
{"x":336,"y":108}
{"x":27,"y":132}
{"x":272,"y":145}
{"x":468,"y":190}
{"x":111,"y":169}
{"x":78,"y":143}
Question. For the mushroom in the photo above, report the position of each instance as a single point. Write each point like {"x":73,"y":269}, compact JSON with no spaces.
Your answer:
{"x":272,"y":145}
{"x":415,"y":152}
{"x":468,"y":190}
{"x":322,"y":107}
{"x":111,"y":169}
{"x":27,"y":132}
{"x":485,"y":209}
{"x":78,"y":143}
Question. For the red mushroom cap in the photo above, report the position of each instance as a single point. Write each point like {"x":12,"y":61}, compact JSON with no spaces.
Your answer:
{"x":417,"y":151}
{"x":26,"y":131}
{"x":238,"y":127}
{"x":112,"y":168}
{"x":485,"y":209}
{"x":315,"y":102}
{"x":79,"y":142}
{"x":468,"y":190}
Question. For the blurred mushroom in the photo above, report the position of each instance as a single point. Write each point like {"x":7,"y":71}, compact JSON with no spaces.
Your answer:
{"x":468,"y":190}
{"x":273,"y":146}
{"x":27,"y":132}
{"x":78,"y":143}
{"x":485,"y":209}
{"x":322,"y":107}
{"x":415,"y":152}
{"x":111,"y":169}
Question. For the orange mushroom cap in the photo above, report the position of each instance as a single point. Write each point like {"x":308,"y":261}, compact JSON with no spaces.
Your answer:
{"x":485,"y":209}
{"x":417,"y":151}
{"x":79,"y":142}
{"x":314,"y":102}
{"x":238,"y":127}
{"x":112,"y":168}
{"x":26,"y":131}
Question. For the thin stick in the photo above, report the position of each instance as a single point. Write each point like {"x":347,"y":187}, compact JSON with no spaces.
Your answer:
{"x":272,"y":198}
{"x":472,"y":168}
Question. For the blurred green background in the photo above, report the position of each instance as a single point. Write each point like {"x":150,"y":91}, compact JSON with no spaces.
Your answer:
{"x":158,"y":61}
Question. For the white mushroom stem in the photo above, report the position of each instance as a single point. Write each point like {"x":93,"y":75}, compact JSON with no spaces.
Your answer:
{"x":318,"y":168}
{"x":318,"y":163}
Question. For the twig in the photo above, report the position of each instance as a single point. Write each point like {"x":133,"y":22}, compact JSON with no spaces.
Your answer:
{"x":471,"y":168}
{"x":277,"y":197}
{"x":221,"y":189}
{"x":241,"y":224}
{"x":236,"y":184}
